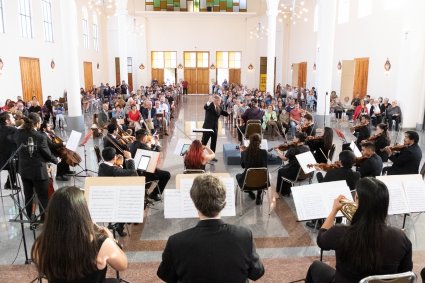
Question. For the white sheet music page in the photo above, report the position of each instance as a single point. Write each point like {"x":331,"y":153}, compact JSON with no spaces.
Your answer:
{"x":355,"y":149}
{"x":117,"y":204}
{"x":229,"y":209}
{"x":304,"y":159}
{"x":398,"y":201}
{"x":415,"y":194}
{"x":172,"y":204}
{"x":73,"y":140}
{"x":188,"y":209}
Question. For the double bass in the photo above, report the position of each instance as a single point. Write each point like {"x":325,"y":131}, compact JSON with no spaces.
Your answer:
{"x":71,"y":157}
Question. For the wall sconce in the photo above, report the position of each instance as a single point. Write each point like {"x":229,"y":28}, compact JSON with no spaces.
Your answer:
{"x":141,"y":67}
{"x":250,"y":67}
{"x":339,"y":66}
{"x":387,"y":66}
{"x":1,"y":66}
{"x":314,"y":67}
{"x":212,"y":67}
{"x":52,"y":65}
{"x":292,"y":67}
{"x":98,"y":66}
{"x":180,"y":66}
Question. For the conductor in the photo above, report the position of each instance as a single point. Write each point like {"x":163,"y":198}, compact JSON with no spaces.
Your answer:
{"x":213,"y":110}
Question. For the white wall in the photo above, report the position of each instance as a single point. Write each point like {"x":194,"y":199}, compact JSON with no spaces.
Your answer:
{"x":14,"y":46}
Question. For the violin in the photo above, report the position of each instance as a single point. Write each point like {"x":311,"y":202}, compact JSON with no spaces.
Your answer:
{"x":325,"y":166}
{"x":357,"y":128}
{"x":359,"y":160}
{"x":397,"y":147}
{"x":314,"y":138}
{"x":372,"y":138}
{"x":285,"y":146}
{"x":119,"y":161}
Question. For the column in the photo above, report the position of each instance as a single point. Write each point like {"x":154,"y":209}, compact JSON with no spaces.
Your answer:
{"x":122,"y":26}
{"x":272,"y":10}
{"x":410,"y":88}
{"x":325,"y":58}
{"x":69,"y":31}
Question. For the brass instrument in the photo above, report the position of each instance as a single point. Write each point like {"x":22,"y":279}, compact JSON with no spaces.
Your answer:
{"x":348,"y":209}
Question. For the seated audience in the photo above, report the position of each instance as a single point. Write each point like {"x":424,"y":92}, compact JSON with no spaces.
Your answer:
{"x":394,"y":114}
{"x":368,"y":246}
{"x":270,"y":122}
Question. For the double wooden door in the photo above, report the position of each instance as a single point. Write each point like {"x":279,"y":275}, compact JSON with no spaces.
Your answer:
{"x":198,"y":79}
{"x":31,"y":79}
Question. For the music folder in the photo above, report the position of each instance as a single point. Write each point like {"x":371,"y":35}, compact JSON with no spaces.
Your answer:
{"x":151,"y":163}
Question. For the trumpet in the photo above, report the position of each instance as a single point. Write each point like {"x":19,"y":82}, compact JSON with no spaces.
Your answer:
{"x":348,"y":209}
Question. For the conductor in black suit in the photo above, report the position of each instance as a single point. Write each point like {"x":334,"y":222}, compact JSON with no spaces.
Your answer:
{"x":213,"y":110}
{"x":212,"y":251}
{"x":8,"y":145}
{"x":408,"y":159}
{"x":33,"y":161}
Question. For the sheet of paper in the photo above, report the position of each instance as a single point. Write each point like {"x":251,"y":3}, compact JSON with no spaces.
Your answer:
{"x":263,"y":145}
{"x":398,"y":202}
{"x":201,"y":130}
{"x":73,"y":140}
{"x":355,"y":149}
{"x":415,"y":194}
{"x":117,"y":204}
{"x":180,"y":144}
{"x":304,"y":159}
{"x":172,"y":204}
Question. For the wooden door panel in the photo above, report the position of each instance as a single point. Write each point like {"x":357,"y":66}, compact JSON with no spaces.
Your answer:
{"x":88,"y":76}
{"x":190,"y":77}
{"x":361,"y":74}
{"x":203,"y":80}
{"x":130,"y":81}
{"x":302,"y":74}
{"x":234,"y":76}
{"x":158,"y":74}
{"x":31,"y":79}
{"x":117,"y":71}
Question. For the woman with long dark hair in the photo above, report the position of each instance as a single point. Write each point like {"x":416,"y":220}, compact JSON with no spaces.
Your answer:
{"x":198,"y":156}
{"x":382,"y":141}
{"x":33,"y":159}
{"x":71,"y":248}
{"x":368,"y":246}
{"x":252,"y":157}
{"x":320,"y":146}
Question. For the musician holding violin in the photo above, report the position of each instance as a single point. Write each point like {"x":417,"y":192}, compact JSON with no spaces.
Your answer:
{"x":370,"y":164}
{"x":308,"y":126}
{"x":321,"y":145}
{"x":381,"y":140}
{"x":112,"y":139}
{"x":406,"y":158}
{"x":361,"y":131}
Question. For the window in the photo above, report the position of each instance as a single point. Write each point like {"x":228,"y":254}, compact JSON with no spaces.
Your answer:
{"x":46,"y":7}
{"x":316,"y":18}
{"x":95,"y":33}
{"x":129,"y":65}
{"x":203,"y":60}
{"x":343,"y":11}
{"x":365,"y":8}
{"x":1,"y":17}
{"x":226,"y":61}
{"x":25,"y":18}
{"x":170,"y":59}
{"x":161,"y":59}
{"x":196,"y":5}
{"x":158,"y":60}
{"x":190,"y":59}
{"x":85,"y":28}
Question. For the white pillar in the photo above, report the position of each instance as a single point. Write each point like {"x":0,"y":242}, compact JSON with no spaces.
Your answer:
{"x":69,"y":31}
{"x":121,"y":40}
{"x":410,"y":88}
{"x":272,"y":11}
{"x":325,"y":55}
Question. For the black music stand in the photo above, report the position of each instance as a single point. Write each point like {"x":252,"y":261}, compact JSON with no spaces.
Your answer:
{"x":84,"y":169}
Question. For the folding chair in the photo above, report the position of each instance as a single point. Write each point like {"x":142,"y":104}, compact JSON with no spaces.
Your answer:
{"x":255,"y":179}
{"x":301,"y":176}
{"x":405,"y":277}
{"x":253,"y":128}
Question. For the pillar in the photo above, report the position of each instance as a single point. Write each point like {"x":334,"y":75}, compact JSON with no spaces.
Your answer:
{"x":272,"y":10}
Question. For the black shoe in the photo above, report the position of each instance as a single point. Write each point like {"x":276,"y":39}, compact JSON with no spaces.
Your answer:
{"x":251,"y":195}
{"x":62,"y":178}
{"x":214,"y":159}
{"x":258,"y":200}
{"x":155,"y":197}
{"x":121,"y":232}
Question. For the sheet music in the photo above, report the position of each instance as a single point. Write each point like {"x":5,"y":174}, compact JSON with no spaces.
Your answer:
{"x":117,"y":204}
{"x":263,"y":145}
{"x":415,"y":194}
{"x":183,"y":206}
{"x":315,"y":201}
{"x":355,"y":149}
{"x":398,"y":201}
{"x":304,"y":159}
{"x":73,"y":140}
{"x":201,"y":130}
{"x":172,"y":207}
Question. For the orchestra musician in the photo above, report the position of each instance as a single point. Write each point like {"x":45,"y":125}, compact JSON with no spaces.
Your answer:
{"x":252,"y":157}
{"x":213,"y":110}
{"x":407,"y":160}
{"x":112,"y":139}
{"x":320,"y":146}
{"x":110,"y":168}
{"x":308,"y":126}
{"x":143,"y":142}
{"x":290,"y":170}
{"x":8,"y":146}
{"x":197,"y":156}
{"x":362,"y":131}
{"x":381,"y":140}
{"x":371,"y":164}
{"x":33,"y":161}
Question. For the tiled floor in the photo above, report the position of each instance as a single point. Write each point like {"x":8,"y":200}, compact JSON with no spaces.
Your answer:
{"x":286,"y":246}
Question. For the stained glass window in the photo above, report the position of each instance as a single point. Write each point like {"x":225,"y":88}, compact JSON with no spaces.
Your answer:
{"x":197,"y":5}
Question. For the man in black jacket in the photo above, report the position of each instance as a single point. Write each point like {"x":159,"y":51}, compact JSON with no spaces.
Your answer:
{"x":408,"y":159}
{"x":213,"y":110}
{"x":212,"y":251}
{"x":371,"y":166}
{"x":8,"y":146}
{"x":362,"y":131}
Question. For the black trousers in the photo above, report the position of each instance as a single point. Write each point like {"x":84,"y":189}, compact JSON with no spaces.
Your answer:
{"x":161,"y":175}
{"x":206,"y":137}
{"x":39,"y":187}
{"x":288,"y":172}
{"x":62,"y":168}
{"x":320,"y":272}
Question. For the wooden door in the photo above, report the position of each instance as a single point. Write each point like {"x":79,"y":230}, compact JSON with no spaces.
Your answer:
{"x":361,"y":74}
{"x":234,"y":76}
{"x":31,"y":79}
{"x":190,"y":77}
{"x":130,"y":82}
{"x":202,"y":78}
{"x":158,"y":74}
{"x":302,"y":74}
{"x":88,"y":76}
{"x":117,"y":71}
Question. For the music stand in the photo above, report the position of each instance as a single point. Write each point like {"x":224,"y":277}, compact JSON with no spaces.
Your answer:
{"x":84,"y":169}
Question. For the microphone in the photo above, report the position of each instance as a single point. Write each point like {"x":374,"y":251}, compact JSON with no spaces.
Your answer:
{"x":30,"y":145}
